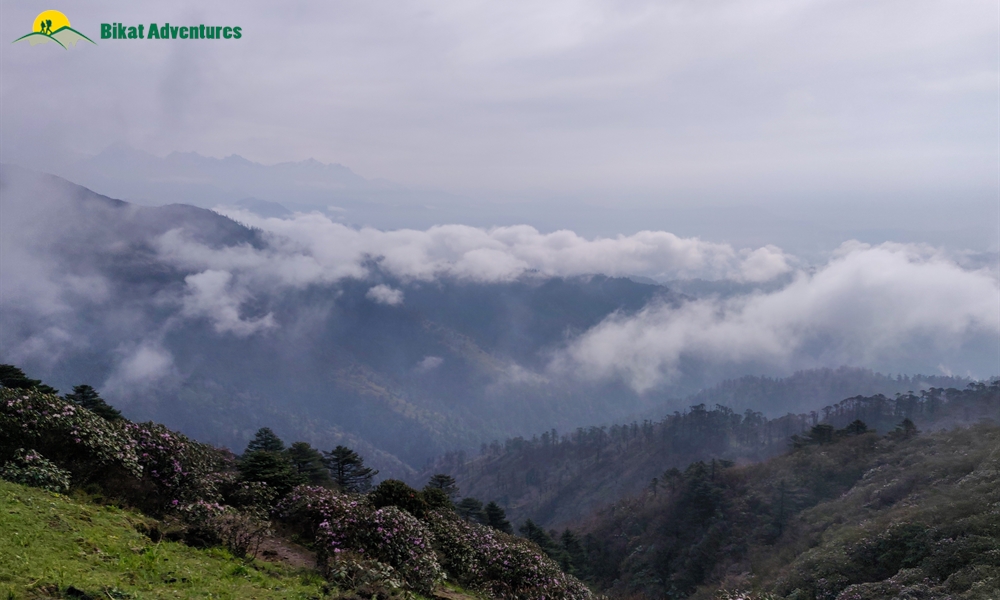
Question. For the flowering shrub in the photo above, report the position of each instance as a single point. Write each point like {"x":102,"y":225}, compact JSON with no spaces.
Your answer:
{"x":175,"y":467}
{"x":348,"y":524}
{"x":499,"y":564}
{"x":211,"y":523}
{"x":350,"y":571}
{"x":72,"y":437}
{"x":31,"y":468}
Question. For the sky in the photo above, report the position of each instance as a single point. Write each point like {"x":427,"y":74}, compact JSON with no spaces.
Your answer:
{"x":733,"y":132}
{"x":794,"y":105}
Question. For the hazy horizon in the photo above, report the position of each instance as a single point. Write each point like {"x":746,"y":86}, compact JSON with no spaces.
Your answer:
{"x":808,"y":124}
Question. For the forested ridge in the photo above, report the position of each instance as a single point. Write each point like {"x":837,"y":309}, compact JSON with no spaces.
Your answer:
{"x":841,"y":512}
{"x":844,"y":514}
{"x":554,"y":478}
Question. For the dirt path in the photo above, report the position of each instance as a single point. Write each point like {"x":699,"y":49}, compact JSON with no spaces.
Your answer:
{"x":278,"y":549}
{"x":445,"y":594}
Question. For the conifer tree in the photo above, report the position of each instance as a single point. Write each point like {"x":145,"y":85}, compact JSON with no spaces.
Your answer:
{"x":265,"y":440}
{"x":308,"y":462}
{"x":445,"y":483}
{"x":541,"y":537}
{"x":87,"y":397}
{"x":348,"y":469}
{"x":471,"y":509}
{"x":497,"y":518}
{"x":273,"y":468}
{"x":14,"y":378}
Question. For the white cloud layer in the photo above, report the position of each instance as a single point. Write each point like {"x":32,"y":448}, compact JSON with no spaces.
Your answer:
{"x":311,"y":248}
{"x":867,"y":306}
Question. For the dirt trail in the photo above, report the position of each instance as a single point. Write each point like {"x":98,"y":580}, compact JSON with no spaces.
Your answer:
{"x":278,"y":549}
{"x":445,"y":594}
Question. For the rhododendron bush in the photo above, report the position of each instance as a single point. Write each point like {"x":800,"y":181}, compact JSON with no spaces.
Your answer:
{"x":31,"y":468}
{"x":72,"y":437}
{"x":341,"y":523}
{"x":499,"y":564}
{"x":144,"y":463}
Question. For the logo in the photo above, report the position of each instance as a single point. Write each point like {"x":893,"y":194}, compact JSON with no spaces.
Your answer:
{"x":53,"y":26}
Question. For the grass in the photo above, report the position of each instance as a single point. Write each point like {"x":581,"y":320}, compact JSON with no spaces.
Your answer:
{"x":52,"y":546}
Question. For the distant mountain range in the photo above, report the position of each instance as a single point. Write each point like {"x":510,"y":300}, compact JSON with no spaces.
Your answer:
{"x":269,"y":190}
{"x":101,"y":291}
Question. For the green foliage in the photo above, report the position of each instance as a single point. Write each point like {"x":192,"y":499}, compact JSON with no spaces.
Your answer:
{"x":855,"y":517}
{"x":308,"y":462}
{"x":572,"y":473}
{"x":52,"y":543}
{"x":437,"y":499}
{"x":275,"y":469}
{"x":393,"y":492}
{"x":497,"y":518}
{"x":471,"y":509}
{"x":210,"y":523}
{"x":87,"y":397}
{"x":265,"y":440}
{"x":445,"y":483}
{"x":28,"y":467}
{"x":922,"y":521}
{"x":348,"y":470}
{"x":338,"y":523}
{"x":14,"y":378}
{"x":77,"y":440}
{"x":500,"y":565}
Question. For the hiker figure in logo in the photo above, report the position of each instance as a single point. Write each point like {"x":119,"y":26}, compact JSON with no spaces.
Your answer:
{"x":46,"y":26}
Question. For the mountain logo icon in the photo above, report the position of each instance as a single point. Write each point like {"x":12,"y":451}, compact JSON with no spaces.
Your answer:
{"x":53,"y":26}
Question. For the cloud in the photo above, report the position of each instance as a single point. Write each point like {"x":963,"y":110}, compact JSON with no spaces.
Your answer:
{"x":140,"y":365}
{"x":384,"y":294}
{"x":429,"y":363}
{"x":311,"y":248}
{"x":211,"y":294}
{"x":869,"y":306}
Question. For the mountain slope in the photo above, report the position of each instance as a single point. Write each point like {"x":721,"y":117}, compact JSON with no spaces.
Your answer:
{"x":553,"y":479}
{"x":904,"y":516}
{"x":56,"y":547}
{"x":117,"y":295}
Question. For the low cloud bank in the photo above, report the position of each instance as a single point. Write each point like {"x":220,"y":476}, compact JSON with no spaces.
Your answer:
{"x":869,"y":305}
{"x":312,"y":247}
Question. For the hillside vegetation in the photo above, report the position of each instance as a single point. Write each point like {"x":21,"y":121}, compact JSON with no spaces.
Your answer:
{"x":387,"y":542}
{"x":846,"y":514}
{"x":553,"y":479}
{"x":54,"y":546}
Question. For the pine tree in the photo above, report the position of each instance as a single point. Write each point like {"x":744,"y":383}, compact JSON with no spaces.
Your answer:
{"x":471,"y":509}
{"x":14,"y":378}
{"x":497,"y":518}
{"x":273,"y":468}
{"x":573,"y":556}
{"x":87,"y":397}
{"x":445,"y":483}
{"x":308,"y":462}
{"x":348,"y":469}
{"x":265,"y":440}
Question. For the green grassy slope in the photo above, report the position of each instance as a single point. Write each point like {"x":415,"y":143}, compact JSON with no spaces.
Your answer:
{"x":52,"y":546}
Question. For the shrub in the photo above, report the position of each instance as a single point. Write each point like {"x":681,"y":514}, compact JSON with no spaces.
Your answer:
{"x":76,"y":439}
{"x":31,"y":468}
{"x":174,"y":467}
{"x":393,"y":492}
{"x":498,"y":564}
{"x":210,"y":523}
{"x":338,"y":523}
